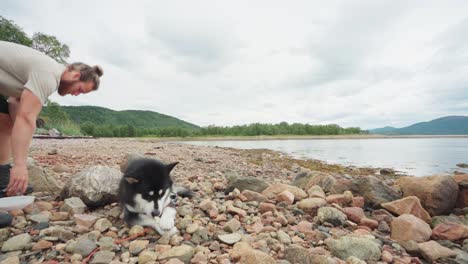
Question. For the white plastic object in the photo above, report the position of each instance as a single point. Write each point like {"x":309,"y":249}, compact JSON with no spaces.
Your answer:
{"x":15,"y":202}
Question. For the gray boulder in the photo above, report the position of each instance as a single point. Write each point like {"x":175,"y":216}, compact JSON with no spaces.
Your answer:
{"x":95,"y":186}
{"x":362,"y":248}
{"x":246,"y":183}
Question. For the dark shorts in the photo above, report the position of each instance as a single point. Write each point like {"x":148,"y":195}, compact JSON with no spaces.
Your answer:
{"x":3,"y":105}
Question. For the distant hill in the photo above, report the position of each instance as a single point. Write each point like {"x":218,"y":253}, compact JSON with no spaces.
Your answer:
{"x":383,"y":130}
{"x":137,"y":118}
{"x":449,"y":125}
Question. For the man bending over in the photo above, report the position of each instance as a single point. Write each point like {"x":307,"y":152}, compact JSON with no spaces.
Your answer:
{"x":27,"y":78}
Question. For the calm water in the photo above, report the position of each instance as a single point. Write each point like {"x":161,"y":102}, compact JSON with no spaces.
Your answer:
{"x":414,"y":156}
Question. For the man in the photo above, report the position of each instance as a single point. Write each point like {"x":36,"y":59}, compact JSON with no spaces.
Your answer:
{"x":27,"y":78}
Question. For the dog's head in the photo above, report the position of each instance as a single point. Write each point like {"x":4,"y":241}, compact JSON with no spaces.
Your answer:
{"x":149,"y":183}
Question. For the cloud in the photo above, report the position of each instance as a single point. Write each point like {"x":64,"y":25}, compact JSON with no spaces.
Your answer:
{"x":361,"y":63}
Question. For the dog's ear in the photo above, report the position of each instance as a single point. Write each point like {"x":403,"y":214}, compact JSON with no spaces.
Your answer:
{"x":131,"y":180}
{"x":171,"y":166}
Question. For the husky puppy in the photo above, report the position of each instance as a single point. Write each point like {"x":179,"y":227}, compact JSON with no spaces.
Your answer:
{"x":148,"y":195}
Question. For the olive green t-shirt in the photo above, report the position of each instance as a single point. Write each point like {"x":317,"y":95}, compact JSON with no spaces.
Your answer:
{"x":22,"y":67}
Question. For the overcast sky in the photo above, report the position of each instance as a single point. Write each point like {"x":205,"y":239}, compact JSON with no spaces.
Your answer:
{"x":352,"y":63}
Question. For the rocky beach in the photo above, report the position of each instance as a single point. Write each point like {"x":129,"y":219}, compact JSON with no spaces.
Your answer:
{"x":251,"y":206}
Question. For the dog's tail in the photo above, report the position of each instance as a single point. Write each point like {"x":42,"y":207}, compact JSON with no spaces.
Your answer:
{"x":184,"y":192}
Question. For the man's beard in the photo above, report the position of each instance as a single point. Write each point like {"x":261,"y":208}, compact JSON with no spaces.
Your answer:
{"x":65,"y":87}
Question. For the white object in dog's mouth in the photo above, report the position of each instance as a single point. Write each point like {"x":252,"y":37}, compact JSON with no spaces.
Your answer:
{"x":15,"y":202}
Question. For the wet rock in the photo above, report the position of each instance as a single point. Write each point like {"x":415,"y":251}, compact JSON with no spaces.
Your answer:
{"x":275,"y":189}
{"x":246,"y":183}
{"x":96,"y":186}
{"x":432,"y":251}
{"x":409,"y":227}
{"x":408,"y":205}
{"x":362,"y":248}
{"x":17,"y":242}
{"x":73,"y":205}
{"x":331,"y":215}
{"x":438,"y":194}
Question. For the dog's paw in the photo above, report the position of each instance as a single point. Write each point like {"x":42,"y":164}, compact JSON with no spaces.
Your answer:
{"x":166,"y":223}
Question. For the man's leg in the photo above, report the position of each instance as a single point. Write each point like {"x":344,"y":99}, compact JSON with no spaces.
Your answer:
{"x":6,"y":125}
{"x":8,"y":112}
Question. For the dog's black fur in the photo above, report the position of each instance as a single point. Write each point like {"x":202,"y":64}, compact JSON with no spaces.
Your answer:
{"x":145,"y":187}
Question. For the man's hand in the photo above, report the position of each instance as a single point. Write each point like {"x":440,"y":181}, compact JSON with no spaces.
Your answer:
{"x":18,"y":181}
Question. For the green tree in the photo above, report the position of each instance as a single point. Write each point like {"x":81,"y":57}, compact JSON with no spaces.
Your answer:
{"x":11,"y":32}
{"x":51,"y":46}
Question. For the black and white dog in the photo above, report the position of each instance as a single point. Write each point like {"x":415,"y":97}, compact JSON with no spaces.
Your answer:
{"x":148,"y":195}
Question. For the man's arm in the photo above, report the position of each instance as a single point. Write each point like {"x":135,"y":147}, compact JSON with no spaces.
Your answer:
{"x":23,"y":129}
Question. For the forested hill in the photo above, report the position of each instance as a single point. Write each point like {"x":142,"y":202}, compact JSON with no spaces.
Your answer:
{"x":138,"y":119}
{"x":449,"y":125}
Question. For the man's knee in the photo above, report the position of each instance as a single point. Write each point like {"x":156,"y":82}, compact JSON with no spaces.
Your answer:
{"x":6,"y":124}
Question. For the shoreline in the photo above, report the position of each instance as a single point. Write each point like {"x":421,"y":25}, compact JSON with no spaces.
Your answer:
{"x":292,"y":137}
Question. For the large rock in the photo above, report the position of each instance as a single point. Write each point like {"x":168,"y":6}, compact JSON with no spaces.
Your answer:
{"x":409,"y":227}
{"x":331,"y":215}
{"x":298,"y":254}
{"x":311,"y":204}
{"x":15,"y":243}
{"x":305,"y":180}
{"x":275,"y":189}
{"x":408,"y":205}
{"x":436,"y":220}
{"x":183,"y":253}
{"x":462,"y":181}
{"x":246,"y":183}
{"x":244,"y":253}
{"x":438,"y":194}
{"x":42,"y":180}
{"x":432,"y":251}
{"x":374,"y":191}
{"x":96,"y":186}
{"x":450,"y":231}
{"x":347,"y":246}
